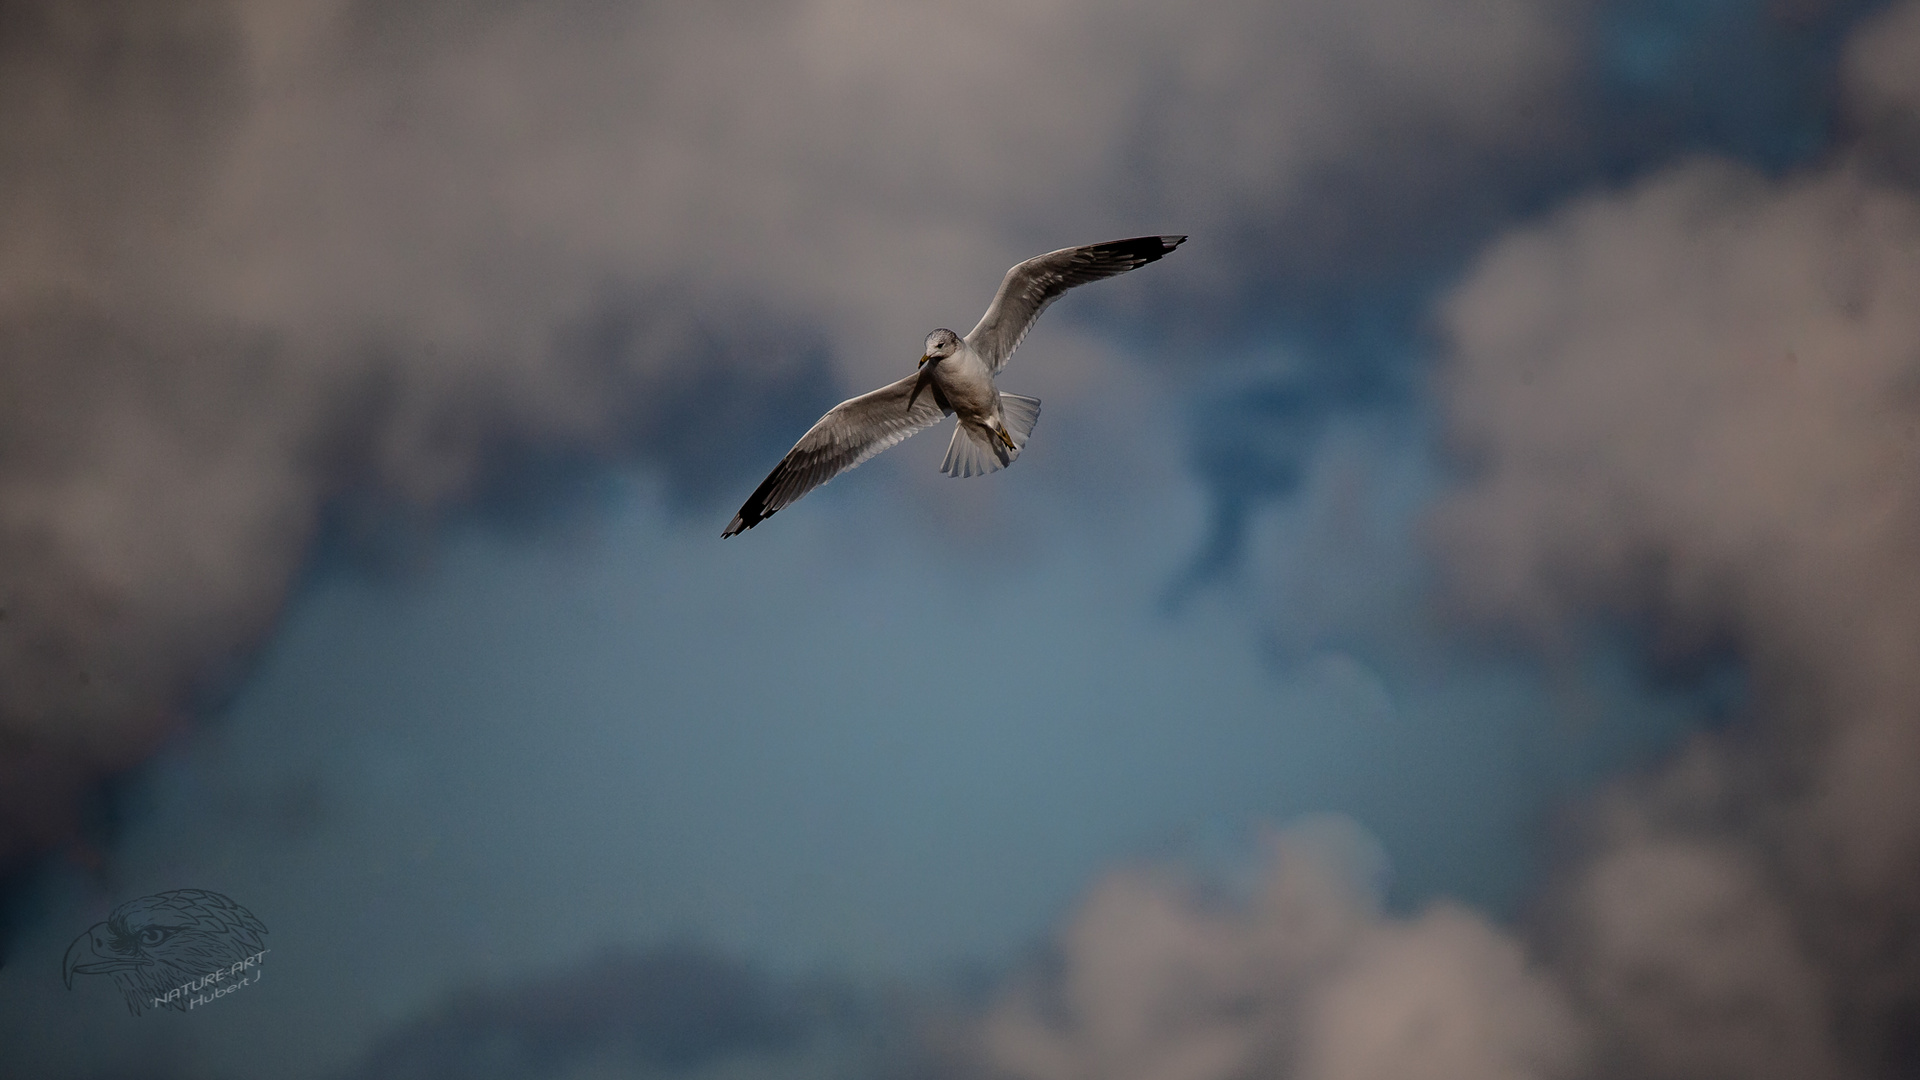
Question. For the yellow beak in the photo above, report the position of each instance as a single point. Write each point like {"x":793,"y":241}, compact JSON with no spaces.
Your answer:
{"x":923,"y":360}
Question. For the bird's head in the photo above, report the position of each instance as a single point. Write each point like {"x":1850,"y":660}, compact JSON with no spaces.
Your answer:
{"x":940,"y":345}
{"x":158,"y":942}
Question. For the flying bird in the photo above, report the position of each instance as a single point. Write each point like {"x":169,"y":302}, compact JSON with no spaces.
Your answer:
{"x":167,"y":942}
{"x":954,"y":377}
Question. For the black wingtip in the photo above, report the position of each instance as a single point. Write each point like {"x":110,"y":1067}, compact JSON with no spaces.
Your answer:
{"x":755,"y":511}
{"x":1142,"y":250}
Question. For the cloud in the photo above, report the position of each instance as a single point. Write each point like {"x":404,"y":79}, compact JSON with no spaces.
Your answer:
{"x":1155,"y":980}
{"x":268,"y":266}
{"x":1648,"y":82}
{"x":1696,"y":963}
{"x":272,"y":266}
{"x":666,"y":1012}
{"x":1694,"y":401}
{"x":1689,"y":402}
{"x":1884,"y":93}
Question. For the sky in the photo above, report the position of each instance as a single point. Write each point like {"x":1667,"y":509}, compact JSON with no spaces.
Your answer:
{"x":1451,"y":621}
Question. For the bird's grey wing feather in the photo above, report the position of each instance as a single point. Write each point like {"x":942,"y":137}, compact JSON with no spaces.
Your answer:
{"x":1029,"y":287}
{"x":850,"y":433}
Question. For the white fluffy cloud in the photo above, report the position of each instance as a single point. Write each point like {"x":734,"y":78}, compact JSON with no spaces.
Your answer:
{"x":1156,"y":981}
{"x":1696,"y":399}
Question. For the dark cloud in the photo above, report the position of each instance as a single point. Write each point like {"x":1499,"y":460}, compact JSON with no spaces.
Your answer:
{"x":1689,"y":403}
{"x":275,"y":272}
{"x":671,"y":1012}
{"x":1694,"y":400}
{"x":1349,"y":276}
{"x":272,"y":273}
{"x":1249,"y":446}
{"x":1883,"y":95}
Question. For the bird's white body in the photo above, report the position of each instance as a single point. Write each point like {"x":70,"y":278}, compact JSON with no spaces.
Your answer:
{"x":967,"y":382}
{"x":955,"y":377}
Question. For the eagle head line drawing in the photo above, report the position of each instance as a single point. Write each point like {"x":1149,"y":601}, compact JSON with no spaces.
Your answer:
{"x":167,"y":942}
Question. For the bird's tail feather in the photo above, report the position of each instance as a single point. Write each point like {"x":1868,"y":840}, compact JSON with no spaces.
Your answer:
{"x":976,"y":451}
{"x":972,"y":454}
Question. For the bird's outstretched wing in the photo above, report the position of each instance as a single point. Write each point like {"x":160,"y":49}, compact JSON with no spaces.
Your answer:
{"x":849,"y":434}
{"x":1029,"y":287}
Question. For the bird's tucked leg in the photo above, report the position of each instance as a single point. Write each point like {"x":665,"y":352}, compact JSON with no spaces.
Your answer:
{"x":1004,"y":437}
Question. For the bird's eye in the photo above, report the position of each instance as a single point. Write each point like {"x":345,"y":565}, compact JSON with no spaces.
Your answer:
{"x":154,"y":935}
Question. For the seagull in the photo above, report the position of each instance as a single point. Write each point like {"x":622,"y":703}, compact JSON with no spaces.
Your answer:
{"x":954,"y":377}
